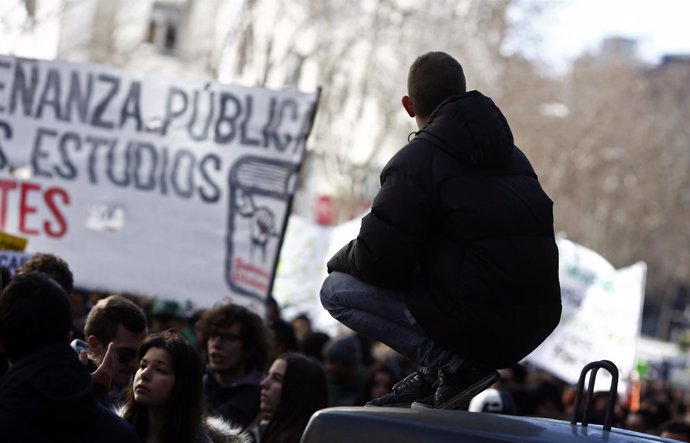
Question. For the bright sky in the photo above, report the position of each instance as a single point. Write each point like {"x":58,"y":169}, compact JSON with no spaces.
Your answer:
{"x":570,"y":27}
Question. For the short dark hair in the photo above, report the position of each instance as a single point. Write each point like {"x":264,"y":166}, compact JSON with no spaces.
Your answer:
{"x":252,"y":331}
{"x":110,"y":312}
{"x":283,"y":334}
{"x":183,"y":412}
{"x":50,"y":264}
{"x":432,"y":78}
{"x":34,"y":313}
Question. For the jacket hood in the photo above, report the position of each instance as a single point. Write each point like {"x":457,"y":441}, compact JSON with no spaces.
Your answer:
{"x":220,"y":430}
{"x":471,"y":128}
{"x":50,"y":387}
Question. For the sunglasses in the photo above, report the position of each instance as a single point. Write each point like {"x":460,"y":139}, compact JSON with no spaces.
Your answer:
{"x":126,"y":355}
{"x":225,"y":336}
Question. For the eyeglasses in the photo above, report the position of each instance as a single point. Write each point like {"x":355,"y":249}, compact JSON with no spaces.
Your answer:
{"x":126,"y":355}
{"x":225,"y":336}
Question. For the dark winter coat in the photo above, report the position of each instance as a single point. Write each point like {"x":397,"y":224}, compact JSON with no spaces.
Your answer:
{"x":47,"y":397}
{"x":238,"y":403}
{"x":462,"y":225}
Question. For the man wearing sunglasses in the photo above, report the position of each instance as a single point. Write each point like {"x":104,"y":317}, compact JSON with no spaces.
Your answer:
{"x":114,"y":329}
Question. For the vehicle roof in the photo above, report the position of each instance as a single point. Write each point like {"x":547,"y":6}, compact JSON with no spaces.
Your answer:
{"x":402,"y":425}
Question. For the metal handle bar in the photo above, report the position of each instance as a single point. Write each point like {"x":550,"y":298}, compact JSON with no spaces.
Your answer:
{"x":613,"y":392}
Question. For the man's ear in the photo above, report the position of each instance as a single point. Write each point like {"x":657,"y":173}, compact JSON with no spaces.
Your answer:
{"x":95,"y":346}
{"x":407,"y":104}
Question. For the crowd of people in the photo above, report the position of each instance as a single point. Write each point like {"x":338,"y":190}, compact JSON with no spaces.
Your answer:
{"x":222,"y":375}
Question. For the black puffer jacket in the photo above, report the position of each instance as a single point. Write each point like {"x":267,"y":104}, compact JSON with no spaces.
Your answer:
{"x":47,"y":397}
{"x":462,"y":225}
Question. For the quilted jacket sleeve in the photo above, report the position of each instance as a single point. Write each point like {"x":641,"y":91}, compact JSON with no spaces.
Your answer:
{"x":390,"y":240}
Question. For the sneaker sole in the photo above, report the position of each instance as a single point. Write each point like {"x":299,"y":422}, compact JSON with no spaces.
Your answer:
{"x":392,"y":405}
{"x":465,"y":396}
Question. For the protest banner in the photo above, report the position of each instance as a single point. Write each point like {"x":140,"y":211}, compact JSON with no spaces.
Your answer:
{"x":13,"y":260}
{"x":302,"y":267}
{"x":602,"y":308}
{"x":157,"y":186}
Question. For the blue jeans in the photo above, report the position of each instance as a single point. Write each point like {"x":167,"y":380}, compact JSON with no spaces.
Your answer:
{"x":382,"y":315}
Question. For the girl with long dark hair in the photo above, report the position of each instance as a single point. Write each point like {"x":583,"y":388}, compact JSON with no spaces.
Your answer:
{"x":294,"y":389}
{"x":164,"y":403}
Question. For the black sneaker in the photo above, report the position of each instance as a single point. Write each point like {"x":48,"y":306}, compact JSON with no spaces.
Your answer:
{"x":415,"y":386}
{"x":456,"y":390}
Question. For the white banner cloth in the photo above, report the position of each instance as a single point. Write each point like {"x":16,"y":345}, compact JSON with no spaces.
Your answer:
{"x":601,"y":315}
{"x":175,"y":188}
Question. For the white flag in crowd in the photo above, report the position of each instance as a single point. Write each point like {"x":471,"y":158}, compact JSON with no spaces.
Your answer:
{"x":602,"y":308}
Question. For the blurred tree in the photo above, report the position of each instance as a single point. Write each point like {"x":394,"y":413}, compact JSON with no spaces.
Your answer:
{"x":615,"y":161}
{"x":360,"y":54}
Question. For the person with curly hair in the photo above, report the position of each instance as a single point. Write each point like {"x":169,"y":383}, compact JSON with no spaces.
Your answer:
{"x":233,"y":342}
